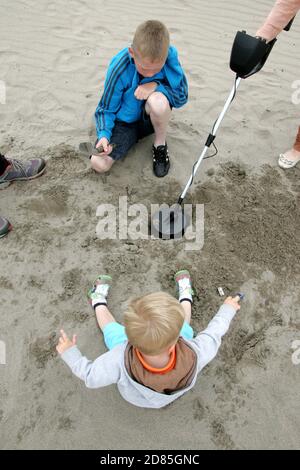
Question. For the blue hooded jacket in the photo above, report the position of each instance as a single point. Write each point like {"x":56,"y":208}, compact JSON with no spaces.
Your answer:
{"x":122,"y":79}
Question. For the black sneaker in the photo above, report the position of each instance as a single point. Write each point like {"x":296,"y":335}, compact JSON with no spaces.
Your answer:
{"x":161,"y":161}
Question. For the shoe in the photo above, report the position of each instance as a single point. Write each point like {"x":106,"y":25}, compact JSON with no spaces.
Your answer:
{"x":98,"y":293}
{"x":285,"y":163}
{"x":184,"y":285}
{"x":19,"y":170}
{"x":161,"y":160}
{"x":5,"y":227}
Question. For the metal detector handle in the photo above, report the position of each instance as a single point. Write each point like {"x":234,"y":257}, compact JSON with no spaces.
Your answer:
{"x":249,"y":54}
{"x":288,"y":26}
{"x":210,"y":138}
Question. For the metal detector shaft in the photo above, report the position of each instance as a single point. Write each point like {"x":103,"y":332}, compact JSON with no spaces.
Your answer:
{"x":210,"y":138}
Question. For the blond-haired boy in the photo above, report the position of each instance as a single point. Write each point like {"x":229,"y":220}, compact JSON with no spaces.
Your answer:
{"x":143,"y":83}
{"x":155,"y":358}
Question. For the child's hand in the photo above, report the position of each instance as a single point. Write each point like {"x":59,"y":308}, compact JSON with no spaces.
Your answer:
{"x":107,"y":149}
{"x":64,"y":342}
{"x":233,"y":301}
{"x":144,"y":91}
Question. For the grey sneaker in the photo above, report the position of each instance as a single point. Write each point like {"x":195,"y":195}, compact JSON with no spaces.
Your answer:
{"x":5,"y":227}
{"x":19,"y":170}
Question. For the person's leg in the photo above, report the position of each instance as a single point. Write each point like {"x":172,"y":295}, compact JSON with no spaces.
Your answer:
{"x":159,"y":110}
{"x":297,"y":141}
{"x":5,"y":227}
{"x":187,"y":307}
{"x":158,"y":107}
{"x":4,"y":163}
{"x":185,"y":296}
{"x":124,"y":136}
{"x":113,"y":332}
{"x":19,"y":170}
{"x":104,"y":317}
{"x":101,"y":163}
{"x":291,"y":157}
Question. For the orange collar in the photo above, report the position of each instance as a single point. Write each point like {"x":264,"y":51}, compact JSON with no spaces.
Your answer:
{"x":155,"y":370}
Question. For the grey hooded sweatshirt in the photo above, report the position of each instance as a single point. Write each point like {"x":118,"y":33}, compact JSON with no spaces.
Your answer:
{"x":109,"y":368}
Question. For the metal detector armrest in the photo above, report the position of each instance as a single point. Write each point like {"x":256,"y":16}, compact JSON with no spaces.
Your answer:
{"x":249,"y":54}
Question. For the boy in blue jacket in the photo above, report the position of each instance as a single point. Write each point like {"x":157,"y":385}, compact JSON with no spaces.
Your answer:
{"x":143,"y":83}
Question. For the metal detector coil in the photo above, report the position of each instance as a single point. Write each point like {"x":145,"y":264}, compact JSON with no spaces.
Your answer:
{"x":249,"y":54}
{"x":169,"y":223}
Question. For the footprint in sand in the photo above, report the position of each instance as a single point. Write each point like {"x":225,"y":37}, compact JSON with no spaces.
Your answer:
{"x":43,"y":349}
{"x":199,"y":410}
{"x":220,"y":437}
{"x":51,"y":202}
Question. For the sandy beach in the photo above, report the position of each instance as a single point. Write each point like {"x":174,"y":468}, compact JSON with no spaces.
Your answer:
{"x":53,"y":60}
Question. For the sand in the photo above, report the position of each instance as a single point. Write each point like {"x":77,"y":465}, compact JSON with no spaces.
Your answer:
{"x":53,"y":57}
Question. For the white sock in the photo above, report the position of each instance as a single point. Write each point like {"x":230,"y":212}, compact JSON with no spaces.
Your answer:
{"x":99,"y":295}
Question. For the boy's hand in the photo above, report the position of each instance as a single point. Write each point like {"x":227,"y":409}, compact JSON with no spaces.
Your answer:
{"x":64,"y":342}
{"x":144,"y":91}
{"x":233,"y":301}
{"x":107,"y":149}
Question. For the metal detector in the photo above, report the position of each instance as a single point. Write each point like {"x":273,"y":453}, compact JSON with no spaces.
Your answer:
{"x":248,"y":56}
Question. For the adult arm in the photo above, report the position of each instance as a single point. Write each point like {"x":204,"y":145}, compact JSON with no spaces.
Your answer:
{"x":280,"y":15}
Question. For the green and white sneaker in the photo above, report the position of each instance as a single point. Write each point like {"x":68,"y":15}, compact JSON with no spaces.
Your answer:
{"x":184,"y":285}
{"x":98,"y":293}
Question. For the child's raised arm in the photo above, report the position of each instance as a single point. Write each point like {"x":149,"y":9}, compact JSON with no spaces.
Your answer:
{"x":208,"y":341}
{"x":103,"y":371}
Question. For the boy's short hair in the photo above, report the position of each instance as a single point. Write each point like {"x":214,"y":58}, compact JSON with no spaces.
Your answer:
{"x":153,"y":322}
{"x":152,"y":40}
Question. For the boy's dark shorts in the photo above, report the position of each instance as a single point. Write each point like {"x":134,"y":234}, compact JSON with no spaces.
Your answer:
{"x":125,"y":135}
